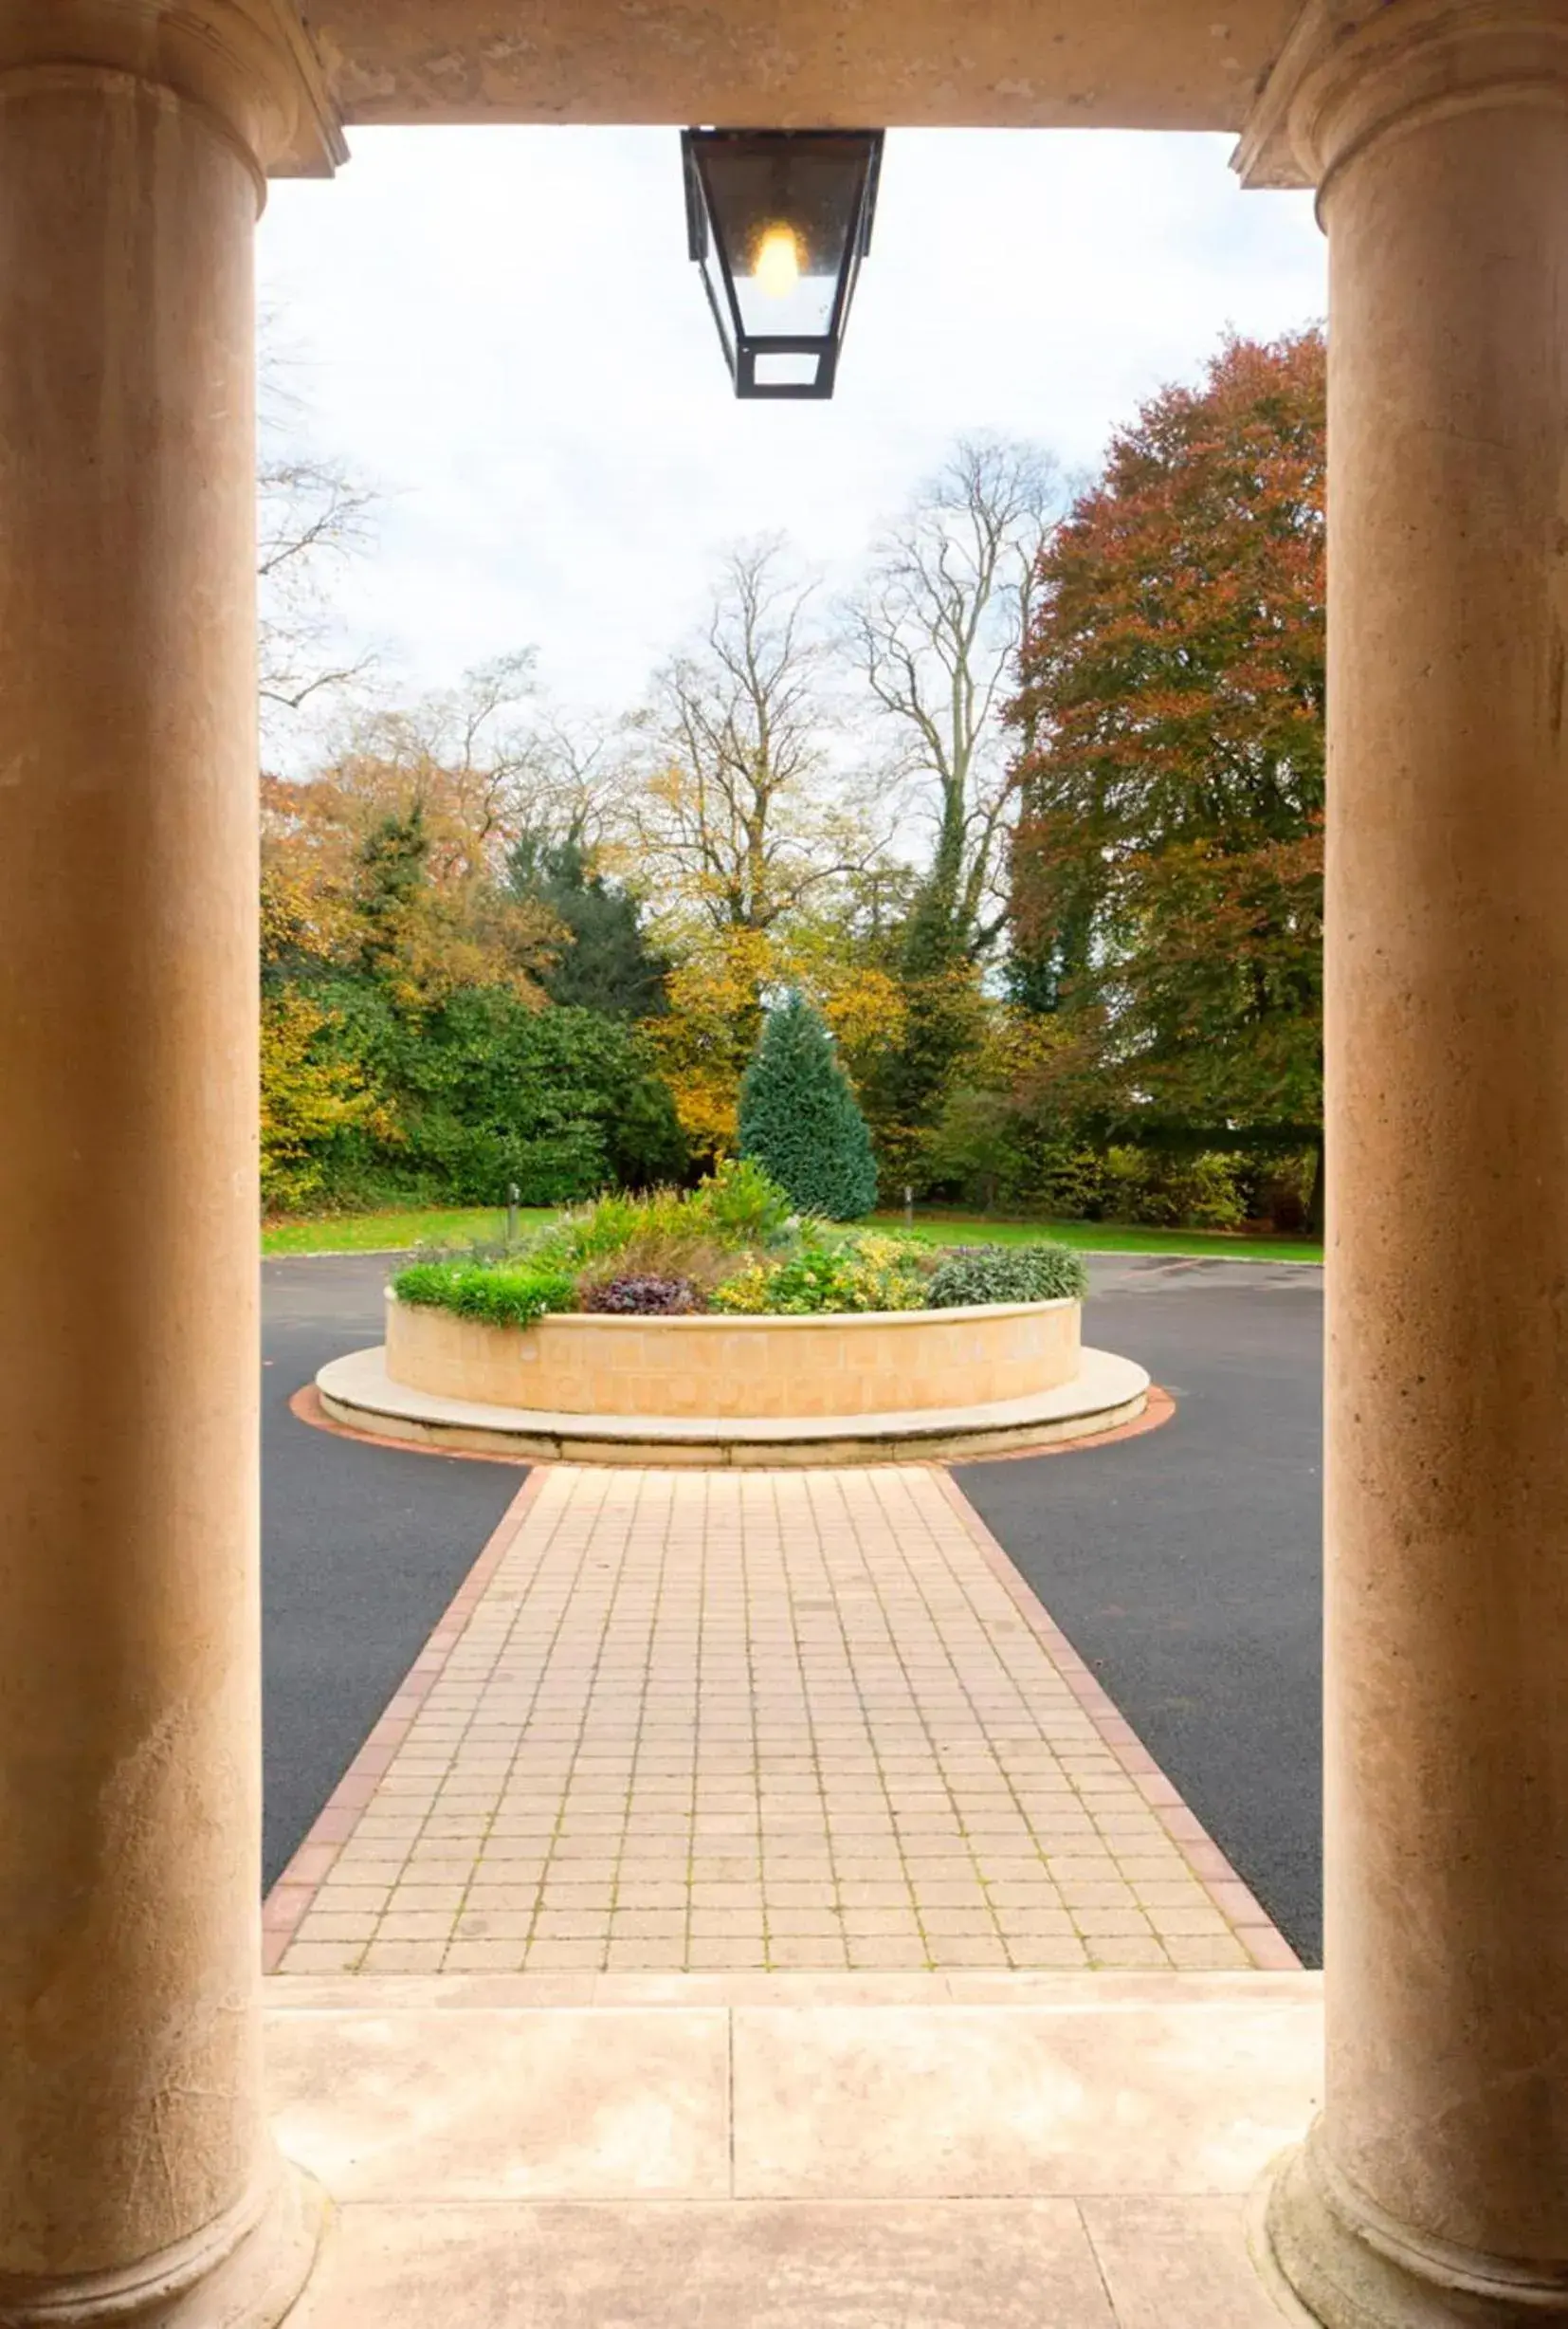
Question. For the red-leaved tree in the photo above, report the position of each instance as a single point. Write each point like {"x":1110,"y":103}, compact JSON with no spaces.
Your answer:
{"x":1167,"y":869}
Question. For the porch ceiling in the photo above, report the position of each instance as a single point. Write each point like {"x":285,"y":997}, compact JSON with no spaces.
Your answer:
{"x":1003,"y":64}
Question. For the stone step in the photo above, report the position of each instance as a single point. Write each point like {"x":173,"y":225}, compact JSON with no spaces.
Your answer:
{"x":1106,"y":1393}
{"x":769,"y":2152}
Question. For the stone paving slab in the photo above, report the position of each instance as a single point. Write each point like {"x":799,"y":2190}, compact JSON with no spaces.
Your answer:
{"x":604,"y":2264}
{"x":729,"y":1722}
{"x":1078,"y":2153}
{"x":1181,"y":2085}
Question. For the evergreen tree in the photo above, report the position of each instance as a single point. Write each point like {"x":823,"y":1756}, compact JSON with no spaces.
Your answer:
{"x":799,"y":1119}
{"x":608,"y":964}
{"x":394,"y":867}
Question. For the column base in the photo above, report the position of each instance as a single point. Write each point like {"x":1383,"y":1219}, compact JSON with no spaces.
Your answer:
{"x":242,"y":2272}
{"x":1333,"y":2258}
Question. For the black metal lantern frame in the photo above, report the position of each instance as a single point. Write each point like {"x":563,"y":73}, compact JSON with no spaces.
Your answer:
{"x":780,"y":220}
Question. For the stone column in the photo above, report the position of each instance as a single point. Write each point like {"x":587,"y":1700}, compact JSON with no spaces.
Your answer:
{"x":1435,"y":2187}
{"x":137,"y":2180}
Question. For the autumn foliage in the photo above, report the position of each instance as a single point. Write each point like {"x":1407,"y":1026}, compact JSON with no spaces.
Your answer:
{"x":1167,"y":868}
{"x":409,"y":1047}
{"x":1032,"y":822}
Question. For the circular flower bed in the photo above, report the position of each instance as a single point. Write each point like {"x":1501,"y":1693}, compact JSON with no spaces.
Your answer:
{"x":714,"y":1326}
{"x":730,"y":1247}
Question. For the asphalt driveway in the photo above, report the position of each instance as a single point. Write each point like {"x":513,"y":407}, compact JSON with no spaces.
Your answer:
{"x":362,"y":1547}
{"x":1184,"y":1566}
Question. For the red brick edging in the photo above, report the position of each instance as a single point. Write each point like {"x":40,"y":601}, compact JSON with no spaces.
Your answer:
{"x":1258,"y":1935}
{"x":1158,"y":1408}
{"x":289,"y":1899}
{"x":306,"y":1407}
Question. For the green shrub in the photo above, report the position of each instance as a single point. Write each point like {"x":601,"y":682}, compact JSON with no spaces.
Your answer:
{"x":743,"y":1204}
{"x":885,"y":1272}
{"x":1177,"y":1191}
{"x":1066,"y":1182}
{"x":982,"y":1152}
{"x":971,"y":1275}
{"x":975,"y":1153}
{"x":800,"y":1121}
{"x":1278,"y":1189}
{"x":745,"y":1294}
{"x":867,"y":1273}
{"x":481,"y":1091}
{"x":501,"y":1297}
{"x":814,"y":1280}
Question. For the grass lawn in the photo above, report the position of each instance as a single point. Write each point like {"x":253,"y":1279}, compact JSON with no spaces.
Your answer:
{"x":390,"y":1233}
{"x":1101,"y":1237}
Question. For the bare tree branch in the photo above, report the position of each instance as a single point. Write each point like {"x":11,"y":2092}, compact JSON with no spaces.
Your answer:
{"x":936,"y":629}
{"x":472,"y":745}
{"x":313,"y":516}
{"x":740,"y":814}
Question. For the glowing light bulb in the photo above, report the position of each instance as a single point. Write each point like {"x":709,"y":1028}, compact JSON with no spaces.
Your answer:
{"x":775,"y":268}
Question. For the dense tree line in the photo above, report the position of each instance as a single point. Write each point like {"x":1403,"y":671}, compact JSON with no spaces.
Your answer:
{"x":1031,"y":818}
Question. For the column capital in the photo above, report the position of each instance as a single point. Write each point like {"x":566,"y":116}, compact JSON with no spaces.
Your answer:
{"x":1355,"y":71}
{"x":248,"y":63}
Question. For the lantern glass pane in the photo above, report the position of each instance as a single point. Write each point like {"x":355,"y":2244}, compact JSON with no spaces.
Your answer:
{"x":785,"y":370}
{"x":714,"y":283}
{"x":786,"y":212}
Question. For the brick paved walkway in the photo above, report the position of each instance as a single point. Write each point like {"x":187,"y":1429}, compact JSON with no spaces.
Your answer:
{"x":715,"y":1720}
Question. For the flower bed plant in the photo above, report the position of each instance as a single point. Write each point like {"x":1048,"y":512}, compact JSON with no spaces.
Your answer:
{"x":864,"y":1270}
{"x":489,"y":1291}
{"x":734,"y":1247}
{"x":643,"y":1297}
{"x":967,"y":1274}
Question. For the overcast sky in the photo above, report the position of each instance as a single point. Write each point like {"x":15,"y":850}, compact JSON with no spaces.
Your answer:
{"x":502,"y":329}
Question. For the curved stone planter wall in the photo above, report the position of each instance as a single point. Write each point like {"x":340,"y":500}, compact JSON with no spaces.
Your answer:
{"x":891,"y":1362}
{"x":906,"y":1387}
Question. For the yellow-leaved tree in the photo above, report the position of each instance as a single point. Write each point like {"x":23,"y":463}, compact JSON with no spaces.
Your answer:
{"x":308,"y":1094}
{"x":706,"y":1037}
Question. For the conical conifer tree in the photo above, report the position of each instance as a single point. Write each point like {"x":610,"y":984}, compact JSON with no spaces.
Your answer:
{"x":799,"y":1119}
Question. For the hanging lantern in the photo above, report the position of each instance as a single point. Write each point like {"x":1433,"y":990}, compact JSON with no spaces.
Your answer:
{"x":780,"y":220}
